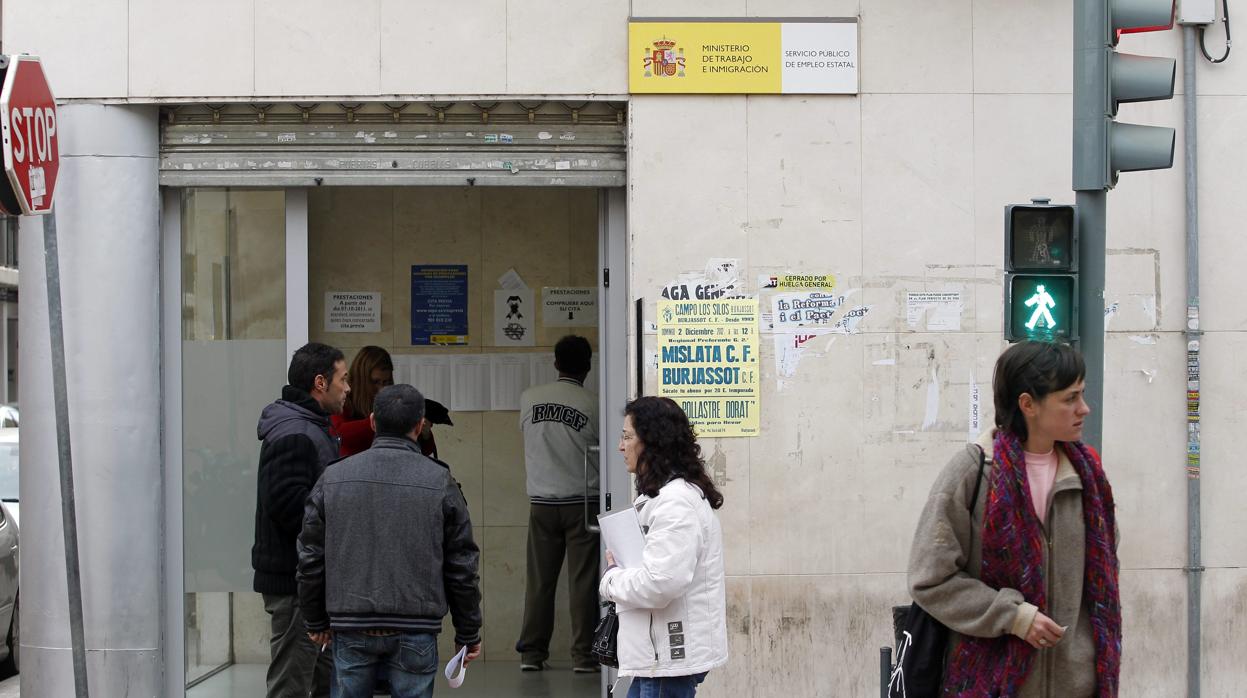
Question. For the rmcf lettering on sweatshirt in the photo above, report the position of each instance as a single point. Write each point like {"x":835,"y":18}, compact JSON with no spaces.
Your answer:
{"x":554,"y":412}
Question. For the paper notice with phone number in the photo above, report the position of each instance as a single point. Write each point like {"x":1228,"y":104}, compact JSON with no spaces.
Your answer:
{"x":708,"y":363}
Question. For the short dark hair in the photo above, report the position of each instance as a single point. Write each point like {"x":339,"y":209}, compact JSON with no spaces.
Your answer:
{"x":311,"y":360}
{"x":1038,"y":368}
{"x":573,"y":355}
{"x":397,"y":409}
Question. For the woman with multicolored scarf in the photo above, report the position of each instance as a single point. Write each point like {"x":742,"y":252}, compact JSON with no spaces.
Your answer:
{"x":1026,"y":577}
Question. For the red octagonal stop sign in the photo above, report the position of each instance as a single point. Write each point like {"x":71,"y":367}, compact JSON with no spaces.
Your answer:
{"x":28,"y":127}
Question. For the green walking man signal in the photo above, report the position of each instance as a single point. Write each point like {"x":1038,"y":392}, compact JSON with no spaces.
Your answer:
{"x":1041,"y":272}
{"x":1042,"y":300}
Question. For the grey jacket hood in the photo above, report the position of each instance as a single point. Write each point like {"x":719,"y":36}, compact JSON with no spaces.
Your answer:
{"x":294,"y":404}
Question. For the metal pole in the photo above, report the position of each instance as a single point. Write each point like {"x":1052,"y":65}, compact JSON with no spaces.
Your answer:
{"x":885,"y":671}
{"x":1194,"y":566}
{"x":69,"y":519}
{"x":1091,"y":241}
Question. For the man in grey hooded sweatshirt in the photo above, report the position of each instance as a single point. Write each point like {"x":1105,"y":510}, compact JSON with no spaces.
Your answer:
{"x":298,"y":444}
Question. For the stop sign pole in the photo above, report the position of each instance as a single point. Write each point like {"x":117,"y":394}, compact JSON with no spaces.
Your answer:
{"x":31,"y":162}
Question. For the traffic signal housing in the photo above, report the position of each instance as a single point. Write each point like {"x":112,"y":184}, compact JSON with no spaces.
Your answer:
{"x":1041,"y":272}
{"x":1103,"y":79}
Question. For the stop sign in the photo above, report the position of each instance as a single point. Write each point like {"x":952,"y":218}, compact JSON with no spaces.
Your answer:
{"x":28,"y":127}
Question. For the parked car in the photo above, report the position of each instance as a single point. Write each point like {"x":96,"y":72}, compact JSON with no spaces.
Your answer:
{"x":9,"y":561}
{"x":9,"y":471}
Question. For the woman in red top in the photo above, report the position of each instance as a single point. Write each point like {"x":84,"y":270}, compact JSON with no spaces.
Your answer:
{"x":372,"y":370}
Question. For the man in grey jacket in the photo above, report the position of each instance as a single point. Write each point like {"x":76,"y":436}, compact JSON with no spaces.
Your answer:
{"x":386,"y":550}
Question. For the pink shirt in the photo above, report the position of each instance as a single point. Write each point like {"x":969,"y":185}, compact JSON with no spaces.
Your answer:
{"x":1041,"y":475}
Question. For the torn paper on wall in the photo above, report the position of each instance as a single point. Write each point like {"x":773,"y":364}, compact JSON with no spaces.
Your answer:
{"x":933,"y":402}
{"x":1110,"y":311}
{"x":799,"y":317}
{"x":942,"y":309}
{"x":974,"y":428}
{"x":720,"y":279}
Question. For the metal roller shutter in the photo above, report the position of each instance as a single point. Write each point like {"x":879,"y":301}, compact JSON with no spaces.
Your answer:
{"x":292,"y":145}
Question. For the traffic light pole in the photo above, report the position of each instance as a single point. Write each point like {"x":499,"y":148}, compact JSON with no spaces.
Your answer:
{"x":1091,"y":253}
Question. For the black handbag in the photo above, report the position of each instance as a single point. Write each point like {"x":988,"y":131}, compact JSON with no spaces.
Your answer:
{"x":605,"y":647}
{"x":921,"y":640}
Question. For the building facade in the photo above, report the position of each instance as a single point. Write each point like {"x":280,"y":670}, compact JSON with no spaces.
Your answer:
{"x":226,"y":170}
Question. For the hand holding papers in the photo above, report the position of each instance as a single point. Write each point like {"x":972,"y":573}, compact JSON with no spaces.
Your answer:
{"x":456,"y":663}
{"x":621,"y":531}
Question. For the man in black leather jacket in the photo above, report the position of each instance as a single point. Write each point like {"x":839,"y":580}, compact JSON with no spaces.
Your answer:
{"x":386,"y":550}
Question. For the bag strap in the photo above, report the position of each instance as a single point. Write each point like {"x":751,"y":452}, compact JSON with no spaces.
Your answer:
{"x":974,"y":500}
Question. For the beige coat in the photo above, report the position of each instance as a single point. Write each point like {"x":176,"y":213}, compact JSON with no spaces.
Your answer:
{"x":969,"y":607}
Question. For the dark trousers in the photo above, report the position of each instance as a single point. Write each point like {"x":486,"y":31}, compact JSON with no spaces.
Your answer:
{"x":556,"y":530}
{"x":296,"y":662}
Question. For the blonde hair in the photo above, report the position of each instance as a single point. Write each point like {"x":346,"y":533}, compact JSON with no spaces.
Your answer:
{"x":359,"y":377}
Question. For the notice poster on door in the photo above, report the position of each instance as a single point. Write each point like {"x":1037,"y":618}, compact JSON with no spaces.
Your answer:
{"x":513,"y":318}
{"x":569,"y":307}
{"x":439,"y":304}
{"x":708,"y":363}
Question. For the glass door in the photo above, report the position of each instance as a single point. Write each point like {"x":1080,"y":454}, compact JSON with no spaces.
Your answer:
{"x":233,"y":363}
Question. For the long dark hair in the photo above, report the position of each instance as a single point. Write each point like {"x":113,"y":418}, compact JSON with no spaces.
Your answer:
{"x":1037,"y":368}
{"x":669,"y":448}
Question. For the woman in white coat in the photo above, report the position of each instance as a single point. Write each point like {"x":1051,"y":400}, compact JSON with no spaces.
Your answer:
{"x":672,"y":609}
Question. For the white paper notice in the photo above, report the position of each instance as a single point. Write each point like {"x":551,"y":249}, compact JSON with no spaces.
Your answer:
{"x":508,"y":377}
{"x":353,"y":311}
{"x":456,"y":664}
{"x":511,"y":281}
{"x":541,"y":368}
{"x":431,"y":376}
{"x":943,"y":310}
{"x":621,"y":533}
{"x":569,"y":307}
{"x":469,"y":382}
{"x":513,"y":318}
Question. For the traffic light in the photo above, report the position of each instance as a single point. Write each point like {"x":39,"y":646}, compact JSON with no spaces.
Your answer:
{"x":1104,"y":79}
{"x":1041,"y":272}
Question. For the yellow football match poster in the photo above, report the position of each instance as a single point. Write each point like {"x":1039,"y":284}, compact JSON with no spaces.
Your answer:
{"x":708,"y":363}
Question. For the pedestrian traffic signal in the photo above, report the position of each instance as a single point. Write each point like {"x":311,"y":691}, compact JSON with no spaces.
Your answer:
{"x":1104,"y":79}
{"x":1041,"y":272}
{"x":1042,"y":307}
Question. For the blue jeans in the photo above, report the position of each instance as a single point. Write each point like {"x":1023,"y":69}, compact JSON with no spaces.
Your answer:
{"x":409,"y":658}
{"x":666,"y":686}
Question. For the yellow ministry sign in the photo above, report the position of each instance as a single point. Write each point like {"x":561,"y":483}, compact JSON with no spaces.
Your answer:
{"x":742,"y":56}
{"x":708,"y":363}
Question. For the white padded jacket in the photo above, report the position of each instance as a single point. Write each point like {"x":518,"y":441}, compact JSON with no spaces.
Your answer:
{"x":672,"y":609}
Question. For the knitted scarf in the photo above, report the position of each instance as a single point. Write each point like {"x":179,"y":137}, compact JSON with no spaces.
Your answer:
{"x":1013,"y":557}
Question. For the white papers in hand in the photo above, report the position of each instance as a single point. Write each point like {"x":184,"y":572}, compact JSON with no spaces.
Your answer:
{"x":456,"y":665}
{"x":621,"y":531}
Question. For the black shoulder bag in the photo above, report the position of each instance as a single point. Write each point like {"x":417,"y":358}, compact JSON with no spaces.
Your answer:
{"x":605,"y":647}
{"x":921,"y":640}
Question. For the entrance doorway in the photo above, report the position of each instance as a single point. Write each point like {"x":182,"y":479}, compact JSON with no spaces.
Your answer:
{"x":263,"y":271}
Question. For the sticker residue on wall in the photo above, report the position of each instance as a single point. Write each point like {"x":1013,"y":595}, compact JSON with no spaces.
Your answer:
{"x":933,"y":401}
